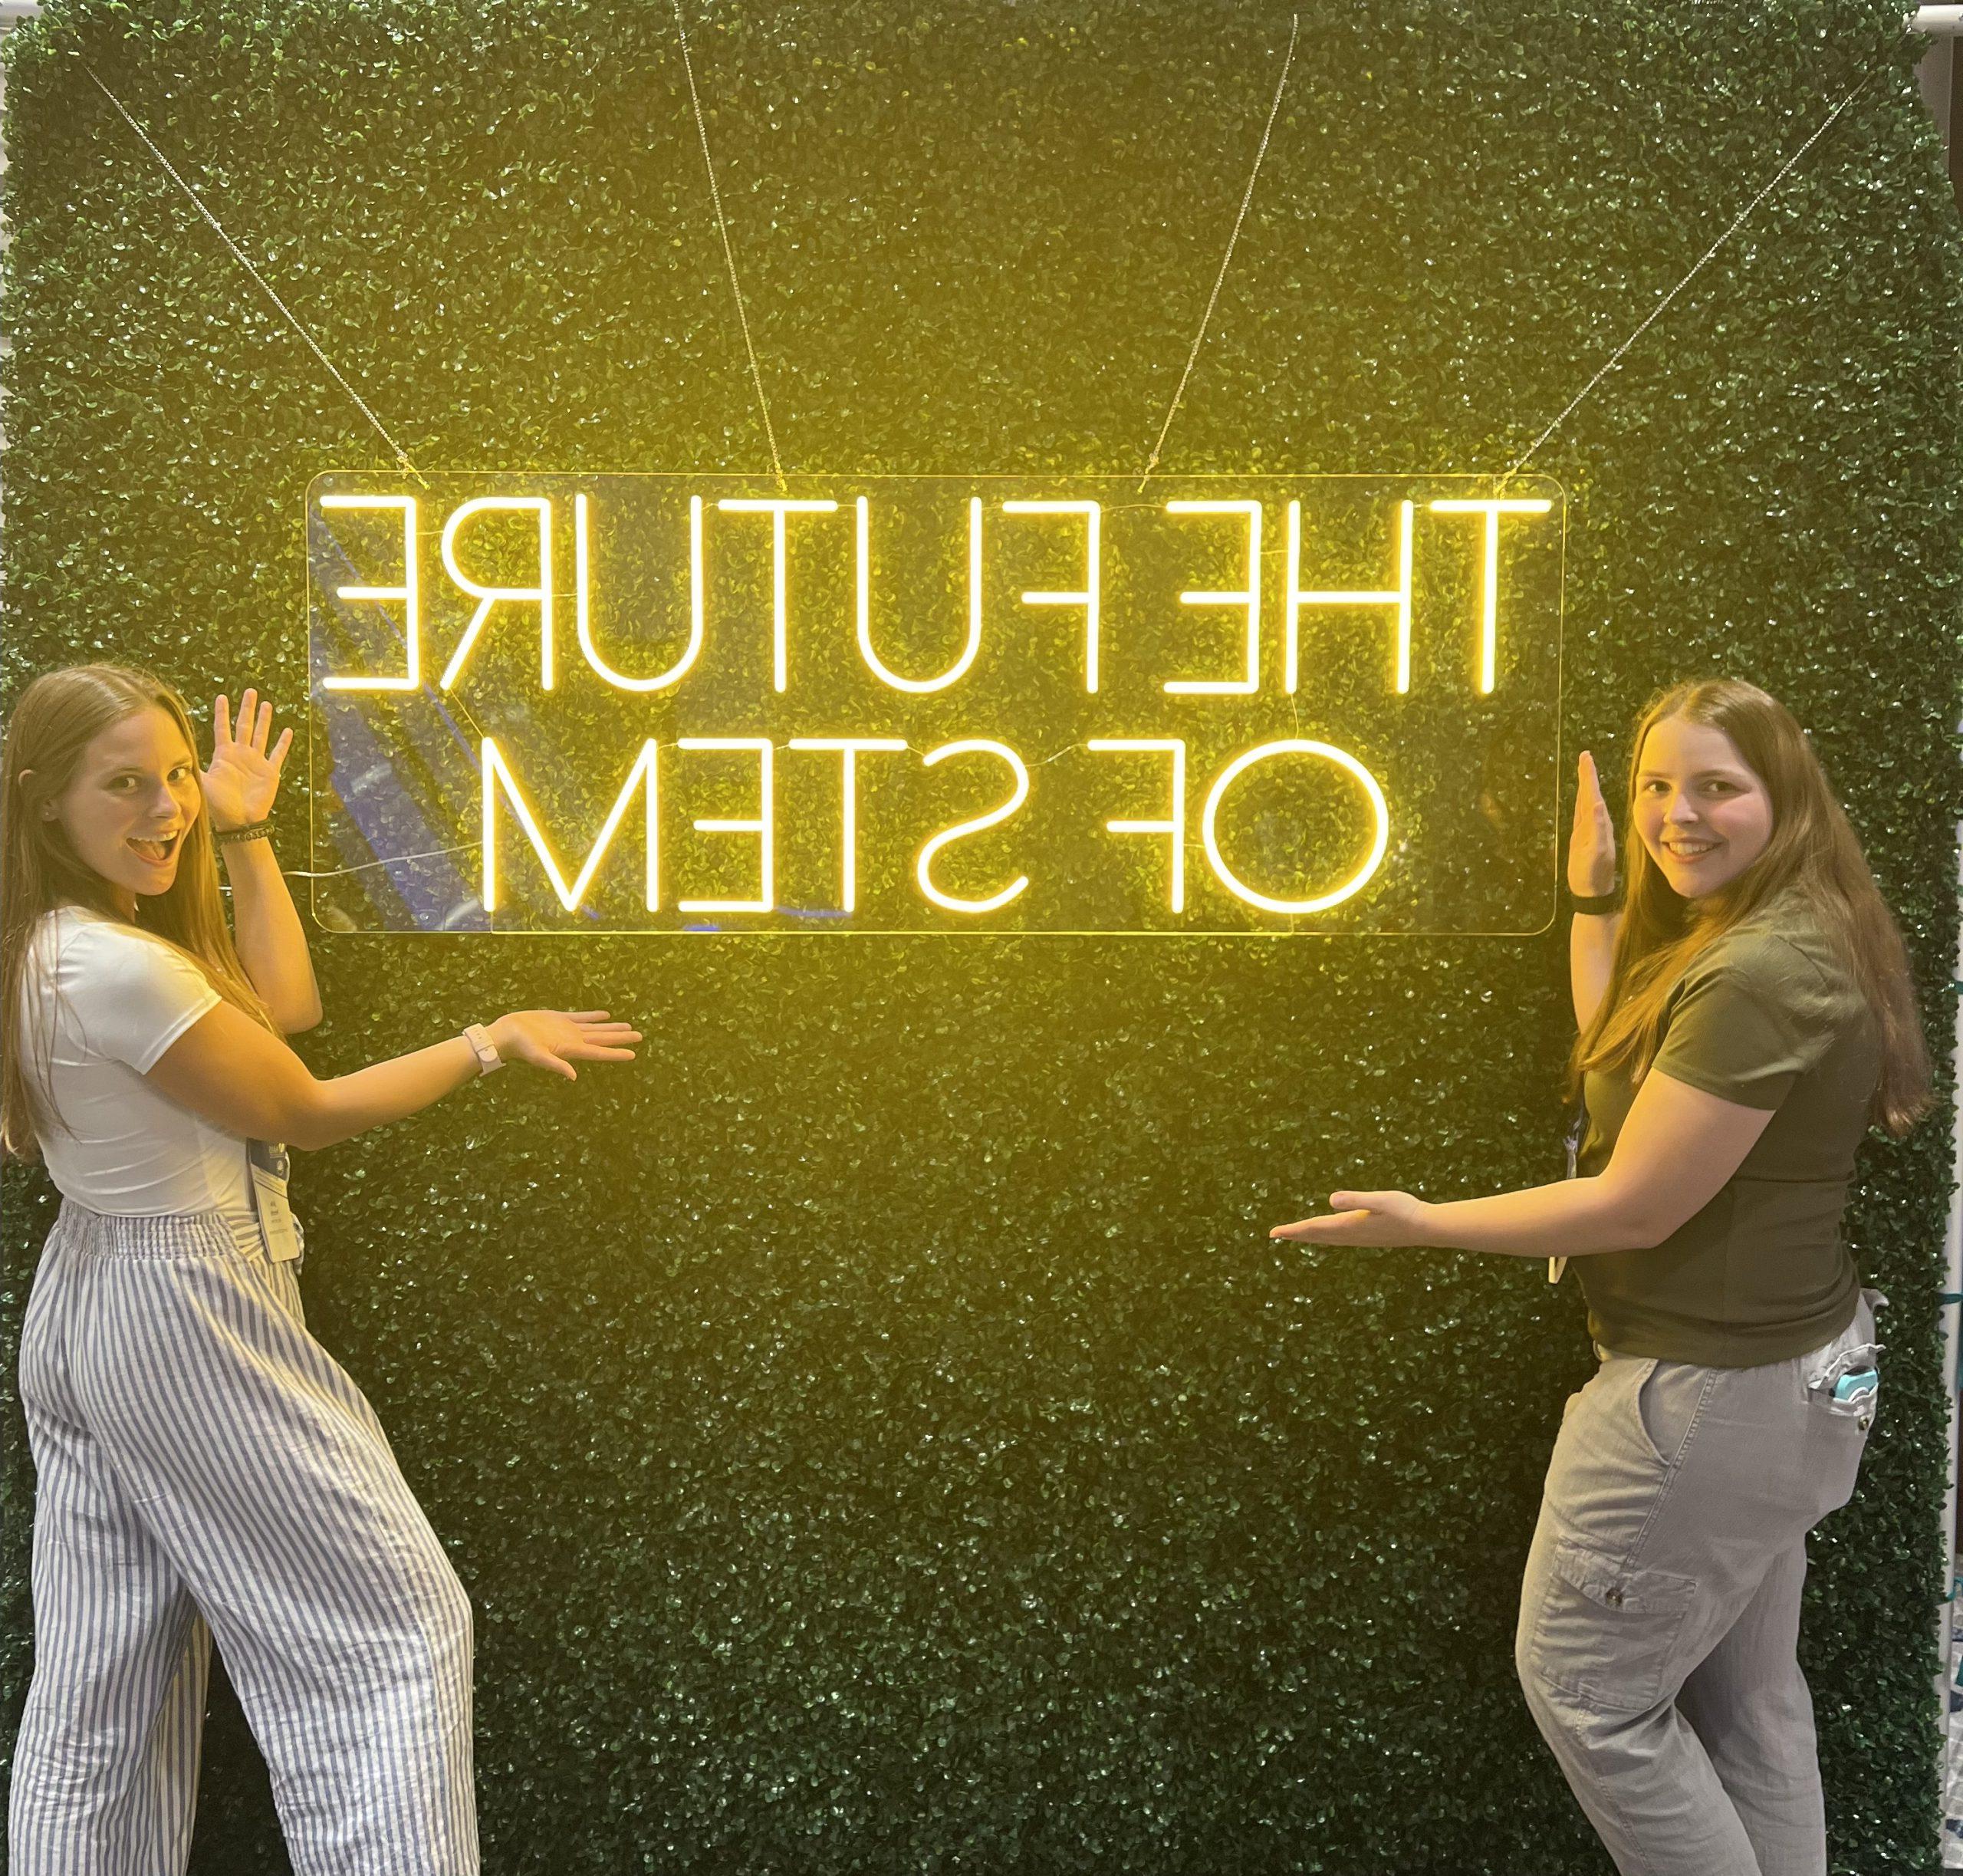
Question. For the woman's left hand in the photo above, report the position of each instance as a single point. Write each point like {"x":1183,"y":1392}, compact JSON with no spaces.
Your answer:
{"x":1370,"y":1218}
{"x":243,"y":778}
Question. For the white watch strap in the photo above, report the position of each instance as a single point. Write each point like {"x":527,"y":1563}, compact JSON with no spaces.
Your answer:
{"x":486,"y":1050}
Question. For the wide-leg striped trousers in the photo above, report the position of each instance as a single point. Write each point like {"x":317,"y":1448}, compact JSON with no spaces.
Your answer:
{"x":205,"y":1468}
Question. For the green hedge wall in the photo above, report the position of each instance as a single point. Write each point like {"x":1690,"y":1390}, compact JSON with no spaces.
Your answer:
{"x":875,"y":1430}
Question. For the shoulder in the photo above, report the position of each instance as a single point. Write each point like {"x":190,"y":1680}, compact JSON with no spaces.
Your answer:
{"x":1784,"y":961}
{"x":90,"y":952}
{"x":78,"y":932}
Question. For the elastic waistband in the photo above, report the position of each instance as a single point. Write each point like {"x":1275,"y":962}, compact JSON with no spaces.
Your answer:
{"x":156,"y":1234}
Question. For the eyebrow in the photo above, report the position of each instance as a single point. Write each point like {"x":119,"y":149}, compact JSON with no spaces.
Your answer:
{"x":1702,"y":775}
{"x":137,"y":769}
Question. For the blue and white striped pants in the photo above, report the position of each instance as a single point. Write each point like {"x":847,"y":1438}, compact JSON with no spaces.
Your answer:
{"x":205,"y":1467}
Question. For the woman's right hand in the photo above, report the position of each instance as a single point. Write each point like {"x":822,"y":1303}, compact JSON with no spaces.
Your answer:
{"x":1591,"y":848}
{"x":554,"y":1039}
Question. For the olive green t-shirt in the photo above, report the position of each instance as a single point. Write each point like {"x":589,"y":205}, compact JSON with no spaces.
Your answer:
{"x":1767,"y":1016}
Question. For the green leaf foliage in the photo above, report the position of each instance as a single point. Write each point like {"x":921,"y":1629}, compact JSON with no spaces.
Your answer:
{"x":875,"y":1430}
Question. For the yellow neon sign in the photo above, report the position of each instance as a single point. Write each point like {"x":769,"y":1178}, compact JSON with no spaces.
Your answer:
{"x":763,"y":825}
{"x":406,"y":582}
{"x":922,"y":867}
{"x":1379,"y":808}
{"x":1090,"y":598}
{"x":1175,"y":826}
{"x":1399,"y":596}
{"x":1248,"y":598}
{"x":489,"y":596}
{"x":848,"y":748}
{"x":497,"y":774}
{"x":1489,"y":589}
{"x":919,"y":686}
{"x":778,"y":510}
{"x":582,"y":581}
{"x":408,"y":592}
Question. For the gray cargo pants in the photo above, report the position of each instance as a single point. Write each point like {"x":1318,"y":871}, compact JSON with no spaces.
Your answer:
{"x":1659,"y":1615}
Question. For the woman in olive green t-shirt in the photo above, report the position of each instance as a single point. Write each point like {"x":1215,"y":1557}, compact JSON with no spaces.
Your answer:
{"x":1744,"y":1014}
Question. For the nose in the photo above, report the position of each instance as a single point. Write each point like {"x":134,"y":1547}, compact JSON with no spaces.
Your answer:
{"x":1679,"y":810}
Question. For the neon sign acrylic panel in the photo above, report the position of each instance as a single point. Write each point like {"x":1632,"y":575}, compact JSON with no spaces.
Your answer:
{"x":1227,"y":704}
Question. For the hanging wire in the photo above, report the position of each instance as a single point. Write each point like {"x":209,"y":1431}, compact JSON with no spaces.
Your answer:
{"x":1247,"y":196}
{"x":1697,"y":266}
{"x":729,"y":252}
{"x":237,"y":254}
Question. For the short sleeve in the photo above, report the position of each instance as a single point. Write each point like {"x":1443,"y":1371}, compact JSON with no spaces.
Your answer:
{"x":132,"y":995}
{"x":1747,"y":1025}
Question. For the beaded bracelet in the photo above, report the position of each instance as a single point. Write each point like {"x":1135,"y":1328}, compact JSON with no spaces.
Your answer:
{"x":258,"y":830}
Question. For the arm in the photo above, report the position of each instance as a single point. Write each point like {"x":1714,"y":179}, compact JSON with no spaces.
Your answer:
{"x":1676,"y":1149}
{"x":238,"y":787}
{"x":271,"y":942}
{"x":231,"y":1071}
{"x":1591,"y":872}
{"x":1591,"y":951}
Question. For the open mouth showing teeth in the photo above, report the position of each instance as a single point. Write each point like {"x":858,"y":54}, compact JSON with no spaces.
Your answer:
{"x":1693,"y":852}
{"x":155,"y":850}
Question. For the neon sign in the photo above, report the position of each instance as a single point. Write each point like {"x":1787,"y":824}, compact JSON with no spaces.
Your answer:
{"x":1001,"y":703}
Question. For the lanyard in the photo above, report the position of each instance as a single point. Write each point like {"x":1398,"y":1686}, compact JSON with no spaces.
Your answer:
{"x":1557,"y":1265}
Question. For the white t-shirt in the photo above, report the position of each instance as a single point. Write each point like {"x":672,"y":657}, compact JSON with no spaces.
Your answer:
{"x":122,"y":998}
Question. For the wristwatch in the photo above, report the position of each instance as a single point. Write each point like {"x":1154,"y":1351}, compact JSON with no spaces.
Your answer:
{"x":479,"y":1039}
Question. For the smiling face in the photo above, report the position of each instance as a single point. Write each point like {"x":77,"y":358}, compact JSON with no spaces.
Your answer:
{"x":134,"y":795}
{"x":1703,"y":816}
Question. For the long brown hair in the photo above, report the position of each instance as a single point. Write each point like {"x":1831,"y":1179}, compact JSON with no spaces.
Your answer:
{"x":58,"y":715}
{"x":1811,"y":852}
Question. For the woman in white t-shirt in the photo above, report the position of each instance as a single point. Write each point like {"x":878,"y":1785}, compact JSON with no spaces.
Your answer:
{"x":203,"y":1466}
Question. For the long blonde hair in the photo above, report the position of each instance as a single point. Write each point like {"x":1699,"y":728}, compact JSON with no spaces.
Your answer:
{"x":1812,"y":852}
{"x":58,"y":715}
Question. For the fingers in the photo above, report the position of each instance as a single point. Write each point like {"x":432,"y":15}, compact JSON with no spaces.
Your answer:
{"x":1332,"y":1229}
{"x":1348,"y":1210}
{"x":254,"y":725}
{"x":1591,"y":782}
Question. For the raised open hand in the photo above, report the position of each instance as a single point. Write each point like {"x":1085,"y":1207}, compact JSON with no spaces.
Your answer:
{"x":243,"y":779}
{"x":1591,"y":847}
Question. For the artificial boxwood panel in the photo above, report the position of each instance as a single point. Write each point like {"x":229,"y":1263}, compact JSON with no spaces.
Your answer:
{"x":874,"y":1429}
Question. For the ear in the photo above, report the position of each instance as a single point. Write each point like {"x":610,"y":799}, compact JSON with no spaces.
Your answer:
{"x":47,"y":808}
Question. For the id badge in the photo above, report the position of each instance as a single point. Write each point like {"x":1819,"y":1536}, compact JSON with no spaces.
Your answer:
{"x":279,"y":1230}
